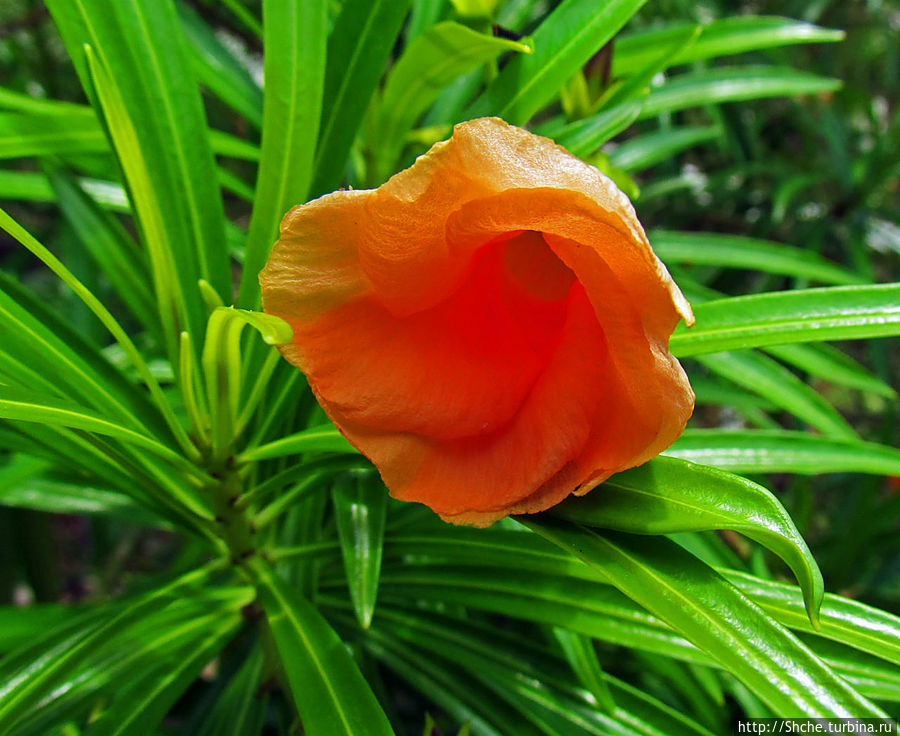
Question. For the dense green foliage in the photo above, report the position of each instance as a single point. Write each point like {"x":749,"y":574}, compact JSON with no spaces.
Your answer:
{"x":189,"y":547}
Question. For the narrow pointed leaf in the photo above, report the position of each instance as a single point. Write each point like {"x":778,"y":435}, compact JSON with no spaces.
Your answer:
{"x":667,"y":496}
{"x":770,"y":379}
{"x":331,"y":695}
{"x":433,"y":60}
{"x":295,"y":34}
{"x":563,"y":43}
{"x":735,"y":251}
{"x":775,"y":318}
{"x":783,"y":451}
{"x":358,"y":49}
{"x":360,"y":505}
{"x":708,"y":611}
{"x":721,"y":37}
{"x":732,"y":84}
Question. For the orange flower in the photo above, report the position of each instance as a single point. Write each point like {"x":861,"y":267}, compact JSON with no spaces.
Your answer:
{"x":490,"y":327}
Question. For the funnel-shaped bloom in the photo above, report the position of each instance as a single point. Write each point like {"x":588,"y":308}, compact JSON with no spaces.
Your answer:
{"x":490,"y":327}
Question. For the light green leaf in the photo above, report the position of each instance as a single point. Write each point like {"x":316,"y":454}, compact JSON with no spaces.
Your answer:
{"x":563,"y":43}
{"x":315,"y":439}
{"x":774,"y":451}
{"x":331,"y":695}
{"x":732,"y":84}
{"x":843,"y":620}
{"x":774,"y":318}
{"x":721,"y":37}
{"x":433,"y":60}
{"x":217,"y":69}
{"x":359,"y":46}
{"x":584,"y":137}
{"x":295,"y":34}
{"x":830,"y":364}
{"x":736,"y":251}
{"x":141,"y":48}
{"x":26,"y":134}
{"x":22,"y":692}
{"x":770,"y":379}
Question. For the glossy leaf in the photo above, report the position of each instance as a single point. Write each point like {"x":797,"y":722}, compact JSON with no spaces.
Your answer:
{"x":702,"y":606}
{"x":843,"y":620}
{"x":647,"y":150}
{"x":774,"y":318}
{"x":109,"y":244}
{"x":563,"y":43}
{"x":584,"y":137}
{"x":330,"y":693}
{"x":360,"y":505}
{"x":721,"y":37}
{"x":830,"y":364}
{"x":735,"y":251}
{"x":217,"y":69}
{"x":24,"y":691}
{"x":315,"y":439}
{"x":141,"y":704}
{"x":770,"y":379}
{"x":358,"y":48}
{"x":140,"y":45}
{"x":667,"y":496}
{"x":294,"y":41}
{"x":431,"y":61}
{"x":732,"y":84}
{"x":783,"y":451}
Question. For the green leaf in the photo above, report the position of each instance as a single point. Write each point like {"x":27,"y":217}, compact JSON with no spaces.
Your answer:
{"x":808,"y":315}
{"x":667,"y":496}
{"x":433,"y":60}
{"x":26,"y":134}
{"x":770,"y":379}
{"x":702,"y":606}
{"x":563,"y":43}
{"x":830,"y":364}
{"x":359,"y":47}
{"x":531,"y":579}
{"x":140,"y":45}
{"x":36,"y":336}
{"x":330,"y":693}
{"x":734,"y":251}
{"x":295,"y":34}
{"x":732,"y":84}
{"x":722,"y":37}
{"x":217,"y":69}
{"x":492,"y":654}
{"x":314,"y":439}
{"x":449,"y":687}
{"x":360,"y":505}
{"x":774,"y":451}
{"x":240,"y":709}
{"x":141,"y":704}
{"x":584,"y":137}
{"x":582,"y":657}
{"x":23,"y":485}
{"x":644,"y":151}
{"x":21,"y":693}
{"x":20,"y":625}
{"x":109,"y":244}
{"x":843,"y":620}
{"x":26,"y":407}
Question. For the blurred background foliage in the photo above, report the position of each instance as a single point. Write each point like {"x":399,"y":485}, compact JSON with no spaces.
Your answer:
{"x":818,"y":171}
